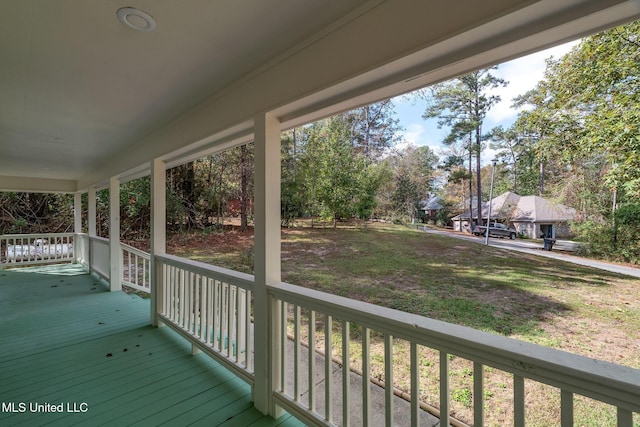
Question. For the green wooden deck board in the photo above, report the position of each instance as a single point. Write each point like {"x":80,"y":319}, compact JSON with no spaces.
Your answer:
{"x":232,"y":407}
{"x":245,"y":418}
{"x":284,"y":421}
{"x":143,"y":342}
{"x":30,"y":369}
{"x":56,"y":332}
{"x":155,"y":387}
{"x":194,"y":408}
{"x":104,"y":383}
{"x":177,"y":397}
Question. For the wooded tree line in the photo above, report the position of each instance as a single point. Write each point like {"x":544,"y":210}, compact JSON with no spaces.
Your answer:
{"x":345,"y":167}
{"x":35,"y":213}
{"x":579,"y":135}
{"x":576,"y":140}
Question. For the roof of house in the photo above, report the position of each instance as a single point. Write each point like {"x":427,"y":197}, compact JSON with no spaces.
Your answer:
{"x":502,"y":206}
{"x":538,"y":209}
{"x":518,"y":208}
{"x":433,"y":203}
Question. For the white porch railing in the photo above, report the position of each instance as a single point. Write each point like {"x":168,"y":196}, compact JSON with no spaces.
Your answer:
{"x":211,"y":307}
{"x":303,"y":309}
{"x":47,"y":248}
{"x":136,"y":269}
{"x":99,"y":256}
{"x":32,"y":249}
{"x":81,"y":248}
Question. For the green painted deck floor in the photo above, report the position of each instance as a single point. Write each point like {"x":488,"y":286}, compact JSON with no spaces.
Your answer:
{"x":68,"y":343}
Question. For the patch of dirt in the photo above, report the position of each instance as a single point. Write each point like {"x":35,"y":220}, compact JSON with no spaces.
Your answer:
{"x":230,"y":240}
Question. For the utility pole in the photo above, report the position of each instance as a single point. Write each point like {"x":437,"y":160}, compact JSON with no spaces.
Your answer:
{"x":493,"y":171}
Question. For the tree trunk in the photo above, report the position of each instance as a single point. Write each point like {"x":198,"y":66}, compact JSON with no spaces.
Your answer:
{"x":470,"y":186}
{"x":613,"y":215}
{"x":541,"y":182}
{"x":514,"y":159}
{"x":478,"y":180}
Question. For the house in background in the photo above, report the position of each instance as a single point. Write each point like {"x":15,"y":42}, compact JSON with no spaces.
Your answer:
{"x":501,"y":208}
{"x":430,"y":207}
{"x":535,"y":217}
{"x":531,"y":216}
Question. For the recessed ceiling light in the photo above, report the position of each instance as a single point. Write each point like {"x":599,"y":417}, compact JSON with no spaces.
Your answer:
{"x":136,"y":19}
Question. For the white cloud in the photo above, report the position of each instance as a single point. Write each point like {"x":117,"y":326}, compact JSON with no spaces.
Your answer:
{"x":522,"y":74}
{"x":418,"y":134}
{"x":414,"y":133}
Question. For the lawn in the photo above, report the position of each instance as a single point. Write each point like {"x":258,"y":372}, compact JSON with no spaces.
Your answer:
{"x":523,"y":296}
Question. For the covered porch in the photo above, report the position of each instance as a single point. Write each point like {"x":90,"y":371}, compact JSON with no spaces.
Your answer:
{"x":78,"y":120}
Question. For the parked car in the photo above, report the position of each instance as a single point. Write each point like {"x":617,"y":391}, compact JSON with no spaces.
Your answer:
{"x":496,"y":230}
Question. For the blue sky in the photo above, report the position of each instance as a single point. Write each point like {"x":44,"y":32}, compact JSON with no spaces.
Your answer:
{"x":522,"y":75}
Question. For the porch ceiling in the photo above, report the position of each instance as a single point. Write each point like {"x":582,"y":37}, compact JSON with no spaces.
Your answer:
{"x":85,"y":97}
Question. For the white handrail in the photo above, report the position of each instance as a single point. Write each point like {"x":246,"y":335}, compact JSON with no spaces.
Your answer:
{"x":243,"y":280}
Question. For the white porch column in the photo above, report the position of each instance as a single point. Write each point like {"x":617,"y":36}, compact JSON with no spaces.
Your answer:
{"x":267,"y":260}
{"x":77,"y":228}
{"x":115,"y":253}
{"x":91,"y":223}
{"x":77,"y":213}
{"x":158,"y":233}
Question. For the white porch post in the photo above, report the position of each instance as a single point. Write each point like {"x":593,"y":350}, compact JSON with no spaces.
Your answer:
{"x":158,"y":233}
{"x":77,"y":227}
{"x":91,"y":224}
{"x":77,"y":213}
{"x":267,"y":260}
{"x":115,"y":253}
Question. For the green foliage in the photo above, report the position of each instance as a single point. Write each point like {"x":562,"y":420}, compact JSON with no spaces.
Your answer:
{"x":409,"y":183}
{"x":135,"y":207}
{"x":369,"y":182}
{"x":597,"y":235}
{"x":582,"y":132}
{"x":619,"y":242}
{"x":291,"y":196}
{"x":588,"y":106}
{"x":406,"y":195}
{"x":332,"y":168}
{"x":35,"y":212}
{"x":627,"y":232}
{"x":463,"y":396}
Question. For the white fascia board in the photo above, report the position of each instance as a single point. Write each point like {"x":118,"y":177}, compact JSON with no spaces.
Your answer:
{"x":37,"y":185}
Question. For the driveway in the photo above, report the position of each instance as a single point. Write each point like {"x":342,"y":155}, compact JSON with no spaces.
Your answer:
{"x":535,"y":248}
